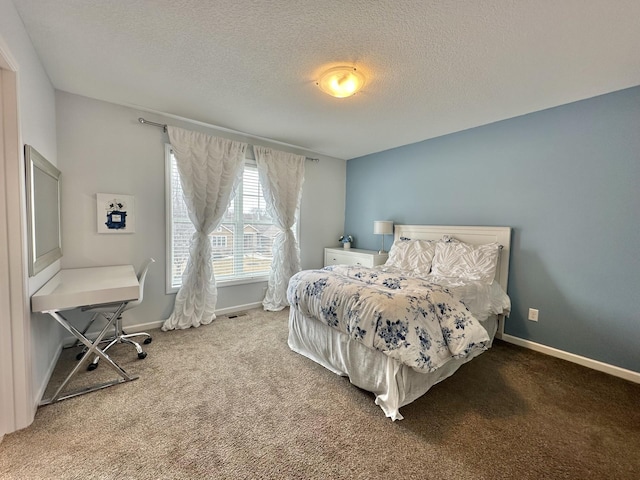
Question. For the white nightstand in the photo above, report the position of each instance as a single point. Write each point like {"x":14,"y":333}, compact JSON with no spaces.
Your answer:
{"x":353,"y":256}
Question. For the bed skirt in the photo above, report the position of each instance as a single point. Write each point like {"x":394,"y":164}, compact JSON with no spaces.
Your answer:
{"x":393,"y":384}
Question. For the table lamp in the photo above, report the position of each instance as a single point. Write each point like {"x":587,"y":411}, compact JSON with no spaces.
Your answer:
{"x":382,"y":227}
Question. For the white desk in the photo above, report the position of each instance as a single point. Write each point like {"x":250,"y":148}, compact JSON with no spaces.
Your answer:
{"x":80,"y":287}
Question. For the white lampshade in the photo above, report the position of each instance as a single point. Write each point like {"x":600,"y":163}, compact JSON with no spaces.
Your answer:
{"x":382,"y":227}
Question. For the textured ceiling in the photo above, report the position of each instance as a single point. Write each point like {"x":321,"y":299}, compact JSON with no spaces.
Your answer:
{"x":434,"y":67}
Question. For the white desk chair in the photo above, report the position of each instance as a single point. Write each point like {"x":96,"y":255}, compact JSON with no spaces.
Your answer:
{"x":120,"y":335}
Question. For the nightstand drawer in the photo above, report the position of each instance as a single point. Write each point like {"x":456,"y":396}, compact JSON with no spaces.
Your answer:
{"x":335,"y":258}
{"x":353,"y":256}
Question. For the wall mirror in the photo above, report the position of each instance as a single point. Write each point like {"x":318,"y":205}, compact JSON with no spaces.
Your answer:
{"x":43,"y":211}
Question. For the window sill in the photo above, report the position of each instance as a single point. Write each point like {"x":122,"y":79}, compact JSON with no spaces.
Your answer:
{"x":230,"y":283}
{"x":242,"y":281}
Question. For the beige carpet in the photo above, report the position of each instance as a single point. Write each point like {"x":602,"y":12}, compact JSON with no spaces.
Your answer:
{"x":231,"y":401}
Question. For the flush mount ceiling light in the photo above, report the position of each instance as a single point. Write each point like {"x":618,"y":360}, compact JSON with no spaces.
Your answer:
{"x":341,"y":82}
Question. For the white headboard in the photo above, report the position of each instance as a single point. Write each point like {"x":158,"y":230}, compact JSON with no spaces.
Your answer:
{"x":471,"y":235}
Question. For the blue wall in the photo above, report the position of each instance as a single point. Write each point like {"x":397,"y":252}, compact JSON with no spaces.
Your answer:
{"x":567,"y":180}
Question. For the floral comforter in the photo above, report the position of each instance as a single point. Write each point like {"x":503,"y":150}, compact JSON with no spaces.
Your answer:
{"x":418,"y":323}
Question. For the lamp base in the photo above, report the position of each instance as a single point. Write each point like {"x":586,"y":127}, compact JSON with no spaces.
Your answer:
{"x":382,"y":252}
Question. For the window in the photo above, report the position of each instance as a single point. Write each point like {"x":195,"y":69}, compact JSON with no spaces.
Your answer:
{"x":241,"y":244}
{"x":219,"y":241}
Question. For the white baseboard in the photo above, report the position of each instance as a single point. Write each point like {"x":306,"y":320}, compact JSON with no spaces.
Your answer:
{"x":571,"y":357}
{"x":238,"y":308}
{"x":43,"y":387}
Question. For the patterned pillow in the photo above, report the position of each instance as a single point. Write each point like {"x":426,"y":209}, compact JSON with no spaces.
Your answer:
{"x":470,"y":262}
{"x":412,"y":256}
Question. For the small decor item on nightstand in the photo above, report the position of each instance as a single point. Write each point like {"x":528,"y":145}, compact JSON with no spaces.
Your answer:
{"x":346,"y":240}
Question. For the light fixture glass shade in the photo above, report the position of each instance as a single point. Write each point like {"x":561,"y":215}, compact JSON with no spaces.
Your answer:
{"x":382,"y":227}
{"x":341,"y":82}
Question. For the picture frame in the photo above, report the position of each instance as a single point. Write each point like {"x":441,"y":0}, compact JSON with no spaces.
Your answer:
{"x":115,"y":213}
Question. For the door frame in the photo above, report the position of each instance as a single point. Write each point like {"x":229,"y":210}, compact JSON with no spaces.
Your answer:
{"x":16,"y":397}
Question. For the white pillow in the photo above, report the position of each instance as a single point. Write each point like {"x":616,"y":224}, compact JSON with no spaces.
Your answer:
{"x":412,"y":256}
{"x":470,"y":262}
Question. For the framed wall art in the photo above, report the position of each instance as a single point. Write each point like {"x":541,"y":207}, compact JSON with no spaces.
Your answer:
{"x":115,"y":213}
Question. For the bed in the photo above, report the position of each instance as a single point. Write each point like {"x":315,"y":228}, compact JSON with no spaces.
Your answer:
{"x":398,"y":329}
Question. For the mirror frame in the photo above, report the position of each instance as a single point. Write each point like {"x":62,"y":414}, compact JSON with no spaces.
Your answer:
{"x":36,"y":161}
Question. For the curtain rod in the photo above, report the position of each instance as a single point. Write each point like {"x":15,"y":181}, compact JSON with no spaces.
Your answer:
{"x":164,"y":129}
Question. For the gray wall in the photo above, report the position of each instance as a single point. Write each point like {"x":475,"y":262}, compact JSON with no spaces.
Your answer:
{"x":103,"y":149}
{"x":566,"y":180}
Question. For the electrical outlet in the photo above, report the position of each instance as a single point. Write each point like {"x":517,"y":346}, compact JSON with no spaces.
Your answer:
{"x":533,"y":314}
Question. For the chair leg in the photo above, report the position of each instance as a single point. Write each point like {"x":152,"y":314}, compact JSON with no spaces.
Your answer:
{"x":122,"y":337}
{"x":141,"y":353}
{"x":146,"y":341}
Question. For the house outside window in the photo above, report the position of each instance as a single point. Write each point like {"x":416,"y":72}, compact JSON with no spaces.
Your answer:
{"x":241,"y":245}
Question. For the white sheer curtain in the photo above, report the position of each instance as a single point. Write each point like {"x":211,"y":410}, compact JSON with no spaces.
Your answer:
{"x":281,"y":176}
{"x":210,"y":170}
